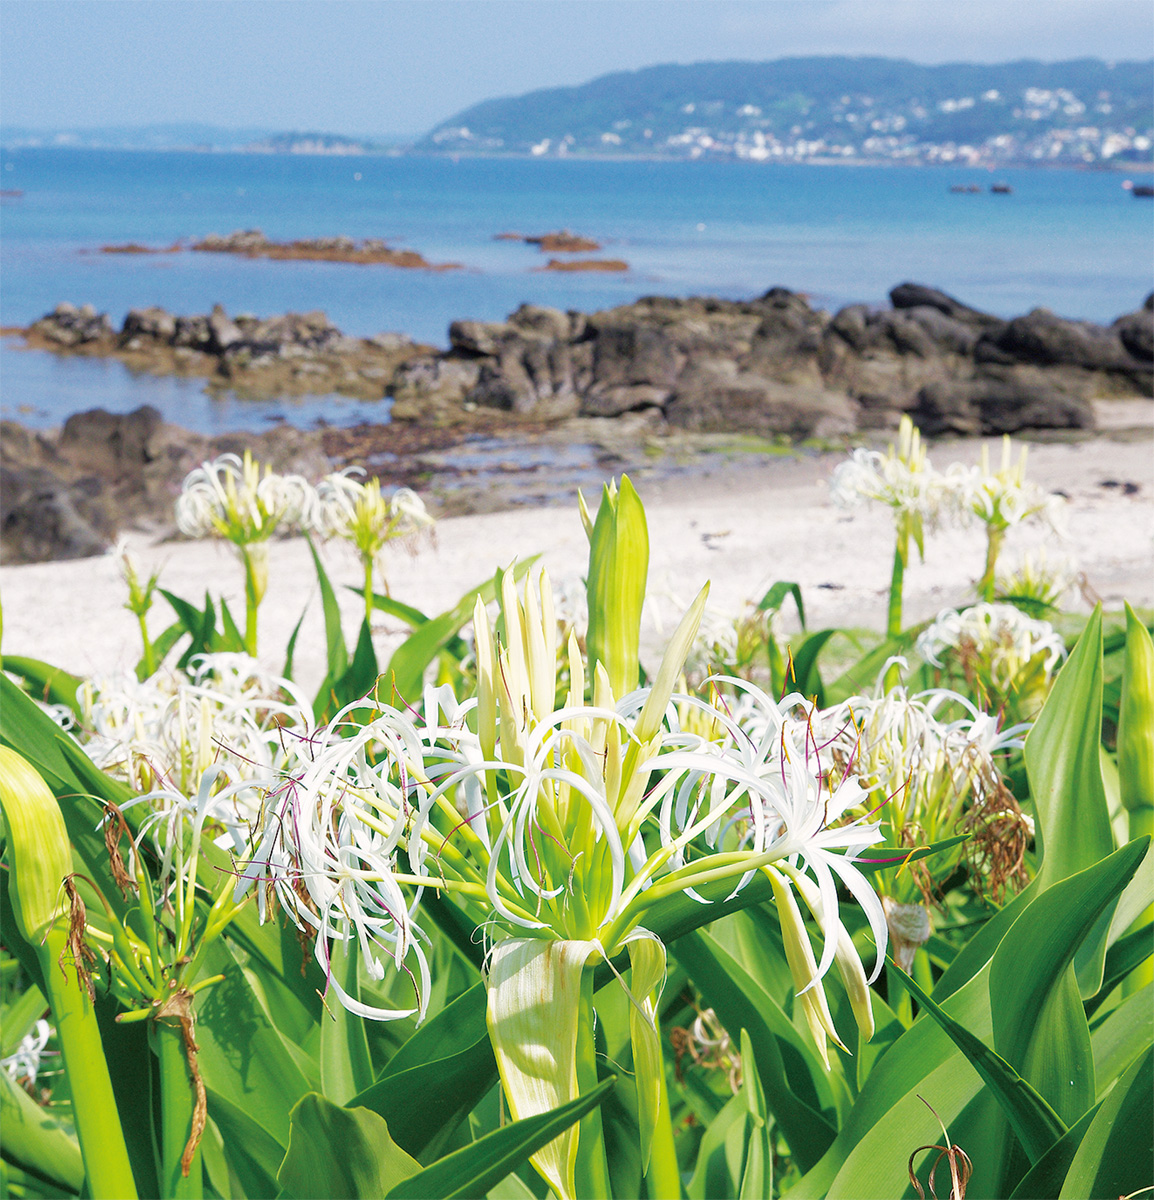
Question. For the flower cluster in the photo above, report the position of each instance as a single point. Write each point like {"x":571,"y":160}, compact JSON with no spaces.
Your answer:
{"x":1003,"y":497}
{"x":903,"y":478}
{"x":227,"y":720}
{"x":1004,"y":655}
{"x":233,"y":498}
{"x":23,"y":1064}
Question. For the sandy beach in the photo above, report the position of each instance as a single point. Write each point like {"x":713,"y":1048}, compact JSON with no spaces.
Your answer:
{"x":742,"y":526}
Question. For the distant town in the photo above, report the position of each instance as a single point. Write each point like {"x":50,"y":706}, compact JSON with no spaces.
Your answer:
{"x":828,"y":110}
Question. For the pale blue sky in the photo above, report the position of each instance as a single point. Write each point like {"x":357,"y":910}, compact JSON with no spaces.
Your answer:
{"x":400,"y":66}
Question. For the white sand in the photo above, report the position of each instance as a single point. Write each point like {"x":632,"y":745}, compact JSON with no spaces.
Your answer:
{"x":742,"y":528}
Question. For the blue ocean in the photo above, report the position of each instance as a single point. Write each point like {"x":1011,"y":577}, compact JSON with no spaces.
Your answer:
{"x":1076,"y":242}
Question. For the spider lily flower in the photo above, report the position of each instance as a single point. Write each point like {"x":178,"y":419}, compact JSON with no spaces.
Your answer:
{"x":1038,"y":579}
{"x":162,"y":735}
{"x":1001,"y":499}
{"x":359,"y":512}
{"x":1006,"y":656}
{"x":539,"y":818}
{"x":929,"y":779}
{"x":23,"y":1064}
{"x":905,"y":480}
{"x":233,"y":499}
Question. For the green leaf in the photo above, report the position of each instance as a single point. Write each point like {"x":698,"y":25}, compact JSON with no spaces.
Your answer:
{"x":473,"y":1170}
{"x":1123,"y":956}
{"x":1037,"y":1125}
{"x":231,"y":638}
{"x":862,"y":676}
{"x":341,"y":1153}
{"x":777,"y":595}
{"x":161,"y":645}
{"x":1044,"y":1179}
{"x":807,"y":678}
{"x":48,"y":683}
{"x":1039,"y":1023}
{"x":290,"y":649}
{"x":413,"y":617}
{"x":742,"y":1003}
{"x":36,"y":1141}
{"x":449,"y":1063}
{"x":1116,"y":1157}
{"x":359,"y":679}
{"x":406,"y":669}
{"x":346,"y":1068}
{"x":338,"y":660}
{"x":1063,"y":762}
{"x":1121,"y":1036}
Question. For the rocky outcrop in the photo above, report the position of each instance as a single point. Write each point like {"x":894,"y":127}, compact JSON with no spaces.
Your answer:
{"x":775,"y":365}
{"x":65,"y":495}
{"x":252,"y":243}
{"x":770,"y":366}
{"x":287,"y":355}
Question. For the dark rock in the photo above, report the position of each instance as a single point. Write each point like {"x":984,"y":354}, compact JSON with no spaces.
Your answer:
{"x":44,"y":518}
{"x":113,"y":446}
{"x":1136,"y":332}
{"x":1045,"y":339}
{"x":917,"y":295}
{"x":223,"y":332}
{"x":155,"y":324}
{"x":992,"y":406}
{"x":718,"y":397}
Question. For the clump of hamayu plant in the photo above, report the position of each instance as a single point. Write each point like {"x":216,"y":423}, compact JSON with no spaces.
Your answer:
{"x":237,"y":500}
{"x":927,"y":767}
{"x":562,"y":826}
{"x":1001,"y":499}
{"x":1038,"y":583}
{"x":360,"y":513}
{"x":921,"y":496}
{"x":905,"y":480}
{"x":1006,"y":659}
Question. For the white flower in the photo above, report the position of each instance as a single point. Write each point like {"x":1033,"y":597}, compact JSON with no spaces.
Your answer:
{"x":1000,"y":635}
{"x":1003,"y":498}
{"x":23,"y":1064}
{"x":903,"y":478}
{"x":362,"y":514}
{"x":231,"y":498}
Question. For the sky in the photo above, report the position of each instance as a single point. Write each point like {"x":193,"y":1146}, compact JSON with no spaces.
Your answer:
{"x":378,"y":67}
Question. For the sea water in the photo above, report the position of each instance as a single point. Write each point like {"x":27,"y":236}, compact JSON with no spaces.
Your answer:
{"x":1076,"y":242}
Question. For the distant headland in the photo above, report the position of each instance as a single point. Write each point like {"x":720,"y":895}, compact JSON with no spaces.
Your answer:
{"x":1081,"y":113}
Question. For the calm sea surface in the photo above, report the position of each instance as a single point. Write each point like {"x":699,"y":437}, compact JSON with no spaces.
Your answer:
{"x":1075,"y":242}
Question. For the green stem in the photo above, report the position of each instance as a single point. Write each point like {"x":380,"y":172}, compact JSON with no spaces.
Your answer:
{"x":902,"y":1007}
{"x":592,"y":1172}
{"x":177,"y":1102}
{"x":369,"y":591}
{"x":94,"y":1108}
{"x":149,"y":651}
{"x":251,"y":601}
{"x":662,"y":1176}
{"x":994,"y":537}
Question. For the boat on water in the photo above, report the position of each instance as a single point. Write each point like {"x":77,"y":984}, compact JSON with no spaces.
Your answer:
{"x":1001,"y":189}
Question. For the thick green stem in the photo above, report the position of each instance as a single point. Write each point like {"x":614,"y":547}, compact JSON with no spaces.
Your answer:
{"x":251,"y":600}
{"x":901,"y":554}
{"x":149,"y":651}
{"x":994,"y":537}
{"x":94,"y":1108}
{"x":369,"y":591}
{"x":592,"y":1173}
{"x":662,"y":1176}
{"x":177,"y":1102}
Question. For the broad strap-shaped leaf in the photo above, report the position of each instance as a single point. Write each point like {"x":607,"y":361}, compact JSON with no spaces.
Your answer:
{"x":742,"y":1003}
{"x":474,"y":1170}
{"x":1037,"y":1125}
{"x":448,"y":1063}
{"x":345,"y":1065}
{"x":36,"y":1141}
{"x":534,"y":993}
{"x":1039,"y":1024}
{"x":337,"y":655}
{"x":341,"y":1152}
{"x":1116,"y":1155}
{"x":735,"y":1159}
{"x":1063,"y":760}
{"x":1122,"y":1035}
{"x":46,"y":682}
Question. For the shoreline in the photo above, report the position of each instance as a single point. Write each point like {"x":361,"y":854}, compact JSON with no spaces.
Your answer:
{"x":744,"y":524}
